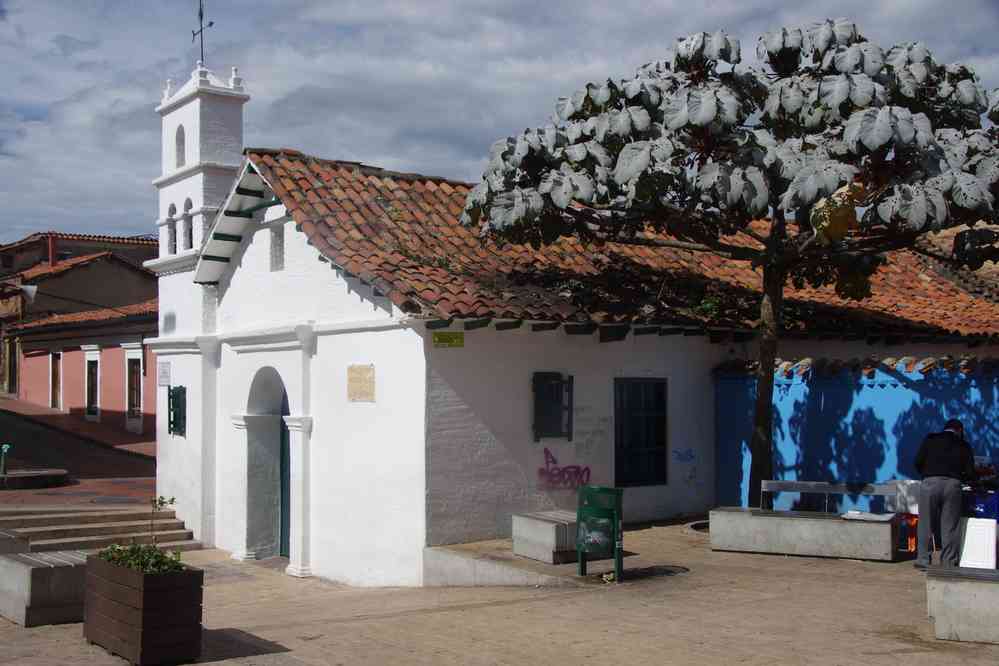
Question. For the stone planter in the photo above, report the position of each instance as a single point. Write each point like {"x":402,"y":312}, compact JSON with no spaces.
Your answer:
{"x":144,"y":618}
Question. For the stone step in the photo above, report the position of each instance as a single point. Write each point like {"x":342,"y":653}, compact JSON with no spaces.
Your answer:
{"x":96,"y":529}
{"x":182,"y":546}
{"x":32,"y":510}
{"x":10,"y":522}
{"x":97,"y":542}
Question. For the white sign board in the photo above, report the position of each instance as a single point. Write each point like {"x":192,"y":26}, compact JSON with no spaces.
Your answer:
{"x":163,"y":373}
{"x":978,"y":543}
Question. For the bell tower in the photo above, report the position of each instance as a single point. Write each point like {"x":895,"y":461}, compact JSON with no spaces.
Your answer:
{"x":201,"y":150}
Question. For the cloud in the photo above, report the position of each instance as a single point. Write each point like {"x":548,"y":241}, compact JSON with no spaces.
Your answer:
{"x":424,"y":86}
{"x":68,"y":46}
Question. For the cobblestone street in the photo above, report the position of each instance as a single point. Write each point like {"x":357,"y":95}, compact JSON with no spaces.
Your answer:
{"x":726,"y":609}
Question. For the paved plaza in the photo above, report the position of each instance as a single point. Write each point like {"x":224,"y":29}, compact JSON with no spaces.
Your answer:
{"x":103,"y":474}
{"x":697,"y":607}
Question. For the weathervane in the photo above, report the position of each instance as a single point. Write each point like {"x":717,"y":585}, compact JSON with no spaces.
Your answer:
{"x":200,"y":32}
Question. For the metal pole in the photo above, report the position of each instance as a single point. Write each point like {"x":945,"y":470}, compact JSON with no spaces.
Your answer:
{"x":619,"y":552}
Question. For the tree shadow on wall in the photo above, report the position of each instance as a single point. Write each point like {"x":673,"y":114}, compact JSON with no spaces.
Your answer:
{"x":830,"y":443}
{"x":942,"y":395}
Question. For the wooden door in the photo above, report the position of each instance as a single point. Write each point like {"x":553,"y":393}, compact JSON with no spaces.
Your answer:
{"x":12,"y":357}
{"x":55,"y":401}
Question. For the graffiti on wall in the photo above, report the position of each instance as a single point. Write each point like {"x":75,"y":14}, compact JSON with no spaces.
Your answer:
{"x":684,"y":455}
{"x":553,"y":477}
{"x":688,"y":457}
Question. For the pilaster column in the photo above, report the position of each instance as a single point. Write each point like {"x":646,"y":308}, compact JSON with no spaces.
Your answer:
{"x":234,"y":518}
{"x":299,"y":439}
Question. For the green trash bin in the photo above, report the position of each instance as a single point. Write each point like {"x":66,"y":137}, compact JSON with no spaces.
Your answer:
{"x":598,"y":526}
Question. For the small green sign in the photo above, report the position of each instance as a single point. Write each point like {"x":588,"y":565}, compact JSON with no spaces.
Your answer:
{"x":449,"y":339}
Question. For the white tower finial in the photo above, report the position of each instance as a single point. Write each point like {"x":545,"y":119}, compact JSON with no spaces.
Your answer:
{"x":235,"y":81}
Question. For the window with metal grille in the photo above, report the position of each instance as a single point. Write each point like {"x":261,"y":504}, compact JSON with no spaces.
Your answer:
{"x":177,"y":410}
{"x":93,"y":386}
{"x":552,"y":405}
{"x":134,"y":387}
{"x":640,"y":442}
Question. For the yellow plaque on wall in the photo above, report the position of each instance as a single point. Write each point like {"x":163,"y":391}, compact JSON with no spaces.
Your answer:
{"x":449,"y":339}
{"x":361,"y":383}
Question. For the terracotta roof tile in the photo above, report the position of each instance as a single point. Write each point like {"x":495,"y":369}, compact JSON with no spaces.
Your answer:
{"x":401,"y":230}
{"x":97,"y":238}
{"x":45,"y":269}
{"x":117,"y":314}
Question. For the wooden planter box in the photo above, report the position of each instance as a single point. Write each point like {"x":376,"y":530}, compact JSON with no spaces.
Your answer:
{"x":144,"y":618}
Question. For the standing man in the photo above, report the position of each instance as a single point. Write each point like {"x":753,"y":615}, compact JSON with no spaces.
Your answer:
{"x":944,"y":461}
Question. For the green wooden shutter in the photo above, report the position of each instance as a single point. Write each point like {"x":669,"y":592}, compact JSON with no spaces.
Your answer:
{"x":177,"y":410}
{"x":552,"y":405}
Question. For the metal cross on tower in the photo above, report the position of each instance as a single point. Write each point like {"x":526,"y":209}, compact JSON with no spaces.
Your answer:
{"x":200,"y":32}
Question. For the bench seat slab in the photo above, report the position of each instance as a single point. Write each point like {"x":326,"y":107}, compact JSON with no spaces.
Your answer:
{"x":798,"y":533}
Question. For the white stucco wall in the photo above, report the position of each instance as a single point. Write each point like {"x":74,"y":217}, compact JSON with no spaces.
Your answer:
{"x":221,"y":124}
{"x":181,"y":310}
{"x":484,"y":462}
{"x":369,"y":493}
{"x":179,"y":459}
{"x":305,"y":290}
{"x":188,"y":115}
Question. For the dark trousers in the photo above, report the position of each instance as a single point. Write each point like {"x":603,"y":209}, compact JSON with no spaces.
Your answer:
{"x":940,"y":514}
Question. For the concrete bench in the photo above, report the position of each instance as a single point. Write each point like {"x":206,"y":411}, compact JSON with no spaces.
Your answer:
{"x":43,"y":588}
{"x":548,"y":536}
{"x":963,"y":604}
{"x":802,"y":533}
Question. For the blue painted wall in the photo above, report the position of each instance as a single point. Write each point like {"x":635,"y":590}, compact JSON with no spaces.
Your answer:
{"x":848,"y":427}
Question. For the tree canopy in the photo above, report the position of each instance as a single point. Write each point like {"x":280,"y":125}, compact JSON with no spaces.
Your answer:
{"x":858,"y":148}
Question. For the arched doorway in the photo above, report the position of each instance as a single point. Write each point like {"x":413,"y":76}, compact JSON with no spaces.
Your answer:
{"x":268,"y":465}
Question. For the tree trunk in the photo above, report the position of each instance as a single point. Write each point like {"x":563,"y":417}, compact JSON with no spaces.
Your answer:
{"x":761,"y":444}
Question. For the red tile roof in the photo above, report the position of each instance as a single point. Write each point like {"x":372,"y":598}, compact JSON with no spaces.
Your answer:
{"x":96,"y":238}
{"x":45,"y":269}
{"x":400,"y":233}
{"x":135,"y":311}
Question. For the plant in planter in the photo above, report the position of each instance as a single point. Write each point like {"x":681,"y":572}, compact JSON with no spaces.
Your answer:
{"x":142,"y":603}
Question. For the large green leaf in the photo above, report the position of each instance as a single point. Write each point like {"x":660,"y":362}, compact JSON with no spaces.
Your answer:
{"x":702,"y":107}
{"x":971,"y":193}
{"x":834,"y":90}
{"x":632,"y":161}
{"x":988,"y":170}
{"x":674,"y":109}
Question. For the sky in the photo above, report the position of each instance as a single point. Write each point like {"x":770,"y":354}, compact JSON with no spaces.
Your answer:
{"x":418,"y":85}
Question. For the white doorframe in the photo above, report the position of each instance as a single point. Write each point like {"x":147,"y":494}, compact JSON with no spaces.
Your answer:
{"x":134,"y":350}
{"x":91,"y":353}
